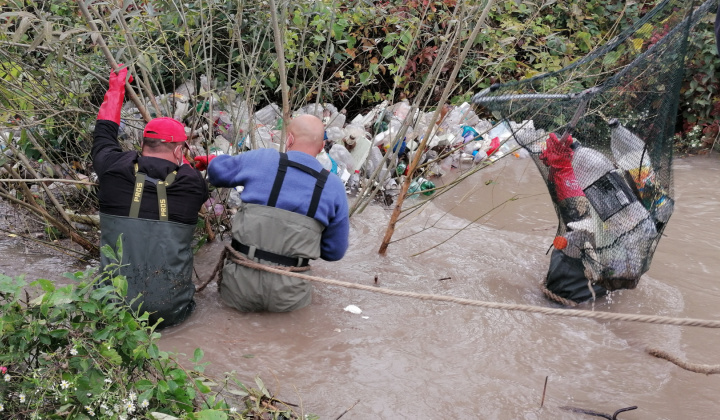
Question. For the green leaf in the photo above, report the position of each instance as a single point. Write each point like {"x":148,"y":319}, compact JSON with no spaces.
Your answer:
{"x":198,"y":355}
{"x":46,"y":285}
{"x":59,"y":333}
{"x":119,"y":247}
{"x":238,"y":392}
{"x":11,"y":285}
{"x":261,"y":387}
{"x":108,"y":252}
{"x":143,"y":385}
{"x":178,"y":375}
{"x":111,"y":354}
{"x":202,"y":387}
{"x":153,"y":351}
{"x":162,"y":386}
{"x":388,"y":51}
{"x":121,"y":285}
{"x":364,"y":77}
{"x":145,"y":396}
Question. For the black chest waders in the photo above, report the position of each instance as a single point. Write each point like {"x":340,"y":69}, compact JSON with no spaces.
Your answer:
{"x":273,"y":236}
{"x":157,"y":258}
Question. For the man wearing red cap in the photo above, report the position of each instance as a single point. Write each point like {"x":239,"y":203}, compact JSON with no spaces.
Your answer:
{"x":152,"y":199}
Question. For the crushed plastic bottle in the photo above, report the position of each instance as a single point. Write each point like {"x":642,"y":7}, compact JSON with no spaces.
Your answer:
{"x":353,"y":183}
{"x":340,"y":154}
{"x":401,"y":168}
{"x":427,"y":186}
{"x":631,"y":155}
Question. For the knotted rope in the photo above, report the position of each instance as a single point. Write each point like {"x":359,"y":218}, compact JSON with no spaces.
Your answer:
{"x":240,"y":259}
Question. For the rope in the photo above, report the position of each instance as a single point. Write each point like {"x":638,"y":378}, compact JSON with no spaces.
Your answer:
{"x":229,"y":253}
{"x":606,"y":316}
{"x":692,"y":367}
{"x":552,"y":296}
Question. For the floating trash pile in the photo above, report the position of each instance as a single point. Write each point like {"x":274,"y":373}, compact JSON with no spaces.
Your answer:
{"x":369,"y":151}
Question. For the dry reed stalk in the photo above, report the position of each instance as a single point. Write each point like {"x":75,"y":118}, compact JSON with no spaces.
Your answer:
{"x":448,"y":87}
{"x":111,"y":60}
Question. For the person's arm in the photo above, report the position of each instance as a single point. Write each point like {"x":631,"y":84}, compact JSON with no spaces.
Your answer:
{"x":335,"y":237}
{"x":224,"y":170}
{"x":105,"y":145}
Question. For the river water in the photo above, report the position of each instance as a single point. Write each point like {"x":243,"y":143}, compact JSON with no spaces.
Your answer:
{"x":409,"y":359}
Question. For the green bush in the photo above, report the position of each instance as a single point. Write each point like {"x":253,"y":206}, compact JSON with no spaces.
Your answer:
{"x":79,"y":352}
{"x":349,"y":53}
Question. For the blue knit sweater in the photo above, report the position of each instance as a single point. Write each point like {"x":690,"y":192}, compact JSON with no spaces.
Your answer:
{"x":255,"y":170}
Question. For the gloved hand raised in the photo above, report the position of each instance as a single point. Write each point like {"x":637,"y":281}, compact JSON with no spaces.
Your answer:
{"x":112,"y":104}
{"x":202,"y":162}
{"x":558,"y":157}
{"x":557,"y":153}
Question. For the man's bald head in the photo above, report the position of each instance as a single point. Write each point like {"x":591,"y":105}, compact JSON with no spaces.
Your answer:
{"x":306,"y":134}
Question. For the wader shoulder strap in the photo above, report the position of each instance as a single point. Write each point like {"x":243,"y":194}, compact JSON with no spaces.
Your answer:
{"x":161,"y":186}
{"x":320,"y":180}
{"x":137,"y":193}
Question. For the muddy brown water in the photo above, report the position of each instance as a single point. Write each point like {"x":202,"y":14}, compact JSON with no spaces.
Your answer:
{"x":408,"y":359}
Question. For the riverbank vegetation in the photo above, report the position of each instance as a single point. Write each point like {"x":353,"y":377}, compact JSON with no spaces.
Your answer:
{"x":78,"y":351}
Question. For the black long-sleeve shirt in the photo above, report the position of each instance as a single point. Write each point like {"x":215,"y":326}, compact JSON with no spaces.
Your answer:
{"x":116,"y":173}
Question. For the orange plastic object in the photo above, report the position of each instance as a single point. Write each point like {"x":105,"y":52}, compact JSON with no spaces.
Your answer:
{"x":560,"y":242}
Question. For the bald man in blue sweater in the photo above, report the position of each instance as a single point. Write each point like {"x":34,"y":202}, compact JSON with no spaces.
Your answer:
{"x":292,"y":211}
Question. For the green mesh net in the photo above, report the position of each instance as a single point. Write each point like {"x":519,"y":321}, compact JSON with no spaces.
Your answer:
{"x":600,"y":132}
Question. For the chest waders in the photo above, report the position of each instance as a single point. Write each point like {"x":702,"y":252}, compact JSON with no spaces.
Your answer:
{"x":274,"y":236}
{"x":157,"y":257}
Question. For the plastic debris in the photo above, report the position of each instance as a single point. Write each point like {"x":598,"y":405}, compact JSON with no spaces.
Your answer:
{"x":353,"y":309}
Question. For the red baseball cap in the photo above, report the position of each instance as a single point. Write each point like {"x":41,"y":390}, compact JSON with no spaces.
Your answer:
{"x":167,"y":129}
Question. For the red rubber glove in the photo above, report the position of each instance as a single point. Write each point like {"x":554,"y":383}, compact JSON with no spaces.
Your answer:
{"x":202,"y":162}
{"x":558,"y":157}
{"x":114,"y":97}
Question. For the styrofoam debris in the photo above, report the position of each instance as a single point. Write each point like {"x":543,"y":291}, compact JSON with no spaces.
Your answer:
{"x":353,"y":309}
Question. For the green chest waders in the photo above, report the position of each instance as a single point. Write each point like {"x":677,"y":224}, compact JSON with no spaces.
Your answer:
{"x":273,"y":236}
{"x":157,"y":258}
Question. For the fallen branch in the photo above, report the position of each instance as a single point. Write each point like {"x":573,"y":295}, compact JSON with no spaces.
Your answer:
{"x":66,"y":181}
{"x":345,"y":412}
{"x":596,"y":414}
{"x":88,"y":219}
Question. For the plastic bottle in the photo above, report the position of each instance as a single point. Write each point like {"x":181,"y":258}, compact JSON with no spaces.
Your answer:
{"x":340,"y":154}
{"x":623,"y":228}
{"x":414,"y":187}
{"x":400,"y":170}
{"x":354,"y":182}
{"x":327,"y":162}
{"x":631,"y":155}
{"x":427,"y":186}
